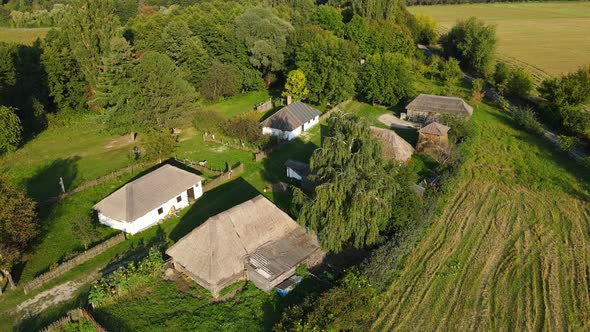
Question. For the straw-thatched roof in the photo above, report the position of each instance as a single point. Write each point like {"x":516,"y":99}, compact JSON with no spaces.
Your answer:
{"x":440,"y":104}
{"x":137,"y":198}
{"x":216,"y":251}
{"x":435,"y":128}
{"x":394,"y":147}
{"x":291,"y":117}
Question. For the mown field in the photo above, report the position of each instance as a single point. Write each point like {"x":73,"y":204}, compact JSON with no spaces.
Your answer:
{"x":552,"y":37}
{"x":25,"y":36}
{"x":511,"y":250}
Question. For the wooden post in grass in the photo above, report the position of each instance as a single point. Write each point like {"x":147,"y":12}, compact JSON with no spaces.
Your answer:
{"x":61,"y":184}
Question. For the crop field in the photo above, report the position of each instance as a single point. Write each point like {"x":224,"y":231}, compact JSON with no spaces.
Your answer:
{"x":511,"y":249}
{"x":547,"y":37}
{"x":25,"y":36}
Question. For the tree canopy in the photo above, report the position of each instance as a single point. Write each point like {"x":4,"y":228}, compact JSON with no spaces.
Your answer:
{"x":296,"y":85}
{"x":386,"y":79}
{"x":10,"y":131}
{"x":355,"y":186}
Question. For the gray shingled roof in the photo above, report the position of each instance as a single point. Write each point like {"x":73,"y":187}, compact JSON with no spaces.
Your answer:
{"x":216,"y":250}
{"x":147,"y":193}
{"x":440,"y":104}
{"x":435,"y":128}
{"x":299,"y":167}
{"x":291,"y":117}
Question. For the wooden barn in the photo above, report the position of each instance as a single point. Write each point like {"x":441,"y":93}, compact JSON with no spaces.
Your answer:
{"x":426,"y":108}
{"x":254,"y":240}
{"x":432,"y":137}
{"x":394,"y":147}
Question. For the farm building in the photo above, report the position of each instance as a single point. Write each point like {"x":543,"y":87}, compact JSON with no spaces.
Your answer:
{"x":433,"y":136}
{"x":394,"y":147}
{"x":254,"y":240}
{"x":145,"y":201}
{"x":425,"y":108}
{"x":296,"y":169}
{"x":291,"y":120}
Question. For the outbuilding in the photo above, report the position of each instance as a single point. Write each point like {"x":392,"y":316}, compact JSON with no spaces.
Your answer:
{"x":147,"y":200}
{"x":296,"y":169}
{"x":291,"y":120}
{"x":254,"y":240}
{"x":434,"y":136}
{"x":426,"y":108}
{"x":394,"y":147}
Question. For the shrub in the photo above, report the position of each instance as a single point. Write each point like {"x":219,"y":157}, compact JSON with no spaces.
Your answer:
{"x":461,"y":128}
{"x":245,"y":127}
{"x":477,"y":93}
{"x":450,"y":71}
{"x":221,"y":80}
{"x":208,"y":121}
{"x":572,"y":89}
{"x":503,"y":104}
{"x":526,"y":118}
{"x":501,"y":76}
{"x":425,"y":27}
{"x":520,"y":83}
{"x":566,"y":143}
{"x":10,"y":131}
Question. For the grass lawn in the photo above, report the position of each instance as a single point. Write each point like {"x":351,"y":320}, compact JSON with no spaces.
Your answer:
{"x":552,"y":37}
{"x":238,"y":104}
{"x":510,"y":251}
{"x":25,"y":36}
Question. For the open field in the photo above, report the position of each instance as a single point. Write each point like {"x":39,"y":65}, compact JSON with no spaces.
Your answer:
{"x":552,"y":37}
{"x":511,"y":250}
{"x":25,"y":36}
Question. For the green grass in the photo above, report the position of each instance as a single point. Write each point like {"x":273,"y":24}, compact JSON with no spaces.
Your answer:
{"x":552,"y":37}
{"x":510,"y":251}
{"x":238,"y":104}
{"x":25,"y":36}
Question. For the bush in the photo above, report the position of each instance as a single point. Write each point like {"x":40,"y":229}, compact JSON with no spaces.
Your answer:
{"x":526,"y":118}
{"x":501,"y":76}
{"x":461,"y":128}
{"x":503,"y":104}
{"x":245,"y":127}
{"x":575,"y":121}
{"x":477,"y":93}
{"x":520,"y":83}
{"x":570,"y":90}
{"x":425,"y":26}
{"x":221,"y":80}
{"x":450,"y":71}
{"x":208,"y":121}
{"x":567,"y":143}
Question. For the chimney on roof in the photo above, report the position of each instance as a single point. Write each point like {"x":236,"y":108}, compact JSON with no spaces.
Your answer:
{"x":289,"y":100}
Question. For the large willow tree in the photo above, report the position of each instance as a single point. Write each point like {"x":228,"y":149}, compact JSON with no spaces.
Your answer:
{"x":355,"y":186}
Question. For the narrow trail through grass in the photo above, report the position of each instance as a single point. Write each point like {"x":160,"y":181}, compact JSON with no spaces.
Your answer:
{"x":510,"y":251}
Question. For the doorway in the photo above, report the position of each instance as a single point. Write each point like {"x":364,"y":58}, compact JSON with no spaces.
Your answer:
{"x":190,"y":193}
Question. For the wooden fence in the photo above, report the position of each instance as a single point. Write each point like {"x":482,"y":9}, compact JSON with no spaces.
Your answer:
{"x":73,"y":316}
{"x":70,"y":264}
{"x":97,"y":181}
{"x":211,"y":138}
{"x":231,"y":173}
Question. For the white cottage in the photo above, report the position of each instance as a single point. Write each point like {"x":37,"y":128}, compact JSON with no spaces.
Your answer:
{"x":145,"y":201}
{"x":296,"y":169}
{"x":290,"y":121}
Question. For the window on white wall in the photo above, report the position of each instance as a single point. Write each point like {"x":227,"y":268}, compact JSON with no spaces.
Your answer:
{"x":160,"y":210}
{"x":179,"y":199}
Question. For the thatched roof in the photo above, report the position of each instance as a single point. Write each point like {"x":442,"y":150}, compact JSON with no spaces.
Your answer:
{"x":435,"y":128}
{"x":394,"y":147}
{"x":291,"y":117}
{"x":217,"y":250}
{"x":299,"y":167}
{"x":147,"y":193}
{"x":440,"y":104}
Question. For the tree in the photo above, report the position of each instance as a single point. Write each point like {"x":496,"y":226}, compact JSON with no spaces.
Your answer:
{"x":17,"y":226}
{"x":186,"y":50}
{"x":354,"y":186}
{"x":329,"y":18}
{"x":84,"y":230}
{"x":425,"y":25}
{"x":386,"y":79}
{"x":450,"y":72}
{"x":386,"y":36}
{"x":159,"y":144}
{"x":520,"y":83}
{"x":572,"y":89}
{"x":222,"y":80}
{"x":357,"y":30}
{"x":7,"y":68}
{"x":157,"y":94}
{"x":65,"y":80}
{"x":90,"y":25}
{"x":473,"y":43}
{"x":501,"y":77}
{"x":296,"y":85}
{"x":265,"y":36}
{"x":116,"y":79}
{"x":10,"y":131}
{"x":393,"y":10}
{"x":477,"y":92}
{"x":330,"y":65}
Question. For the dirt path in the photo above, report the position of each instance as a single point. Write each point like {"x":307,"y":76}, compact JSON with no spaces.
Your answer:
{"x":391,"y":120}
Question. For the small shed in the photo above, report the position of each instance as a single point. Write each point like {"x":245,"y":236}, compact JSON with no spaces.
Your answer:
{"x":394,"y":147}
{"x":296,"y":169}
{"x":291,"y":120}
{"x":432,"y":137}
{"x":425,"y":108}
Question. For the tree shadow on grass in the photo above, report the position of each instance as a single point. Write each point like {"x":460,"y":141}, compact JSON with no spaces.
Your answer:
{"x":46,"y":181}
{"x":213,"y":202}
